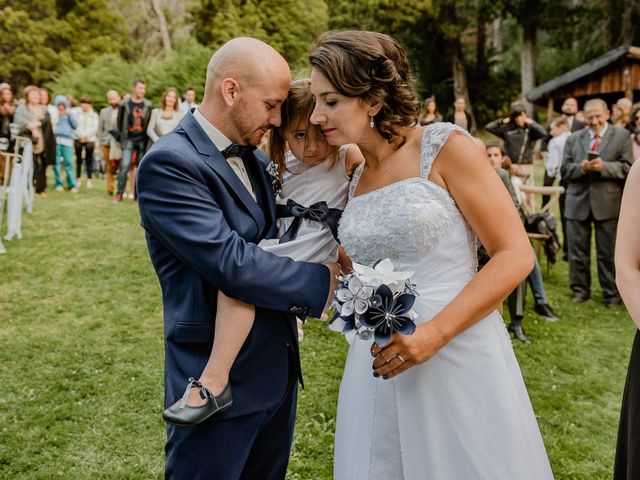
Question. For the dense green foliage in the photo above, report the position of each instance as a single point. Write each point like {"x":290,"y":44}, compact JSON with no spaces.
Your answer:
{"x":82,"y":354}
{"x":56,"y":40}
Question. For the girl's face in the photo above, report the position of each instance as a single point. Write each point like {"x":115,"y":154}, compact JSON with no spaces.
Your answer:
{"x":307,"y":143}
{"x":342,"y":119}
{"x":170,"y":99}
{"x":431,"y":107}
{"x":495,"y":156}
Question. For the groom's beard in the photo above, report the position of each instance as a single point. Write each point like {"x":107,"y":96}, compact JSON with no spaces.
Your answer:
{"x":248,"y":131}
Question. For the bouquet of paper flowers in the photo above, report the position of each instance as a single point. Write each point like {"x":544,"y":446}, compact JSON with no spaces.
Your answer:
{"x":374,"y":301}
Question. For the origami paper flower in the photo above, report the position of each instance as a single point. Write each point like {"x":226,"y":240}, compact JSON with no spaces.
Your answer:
{"x":389,"y":313}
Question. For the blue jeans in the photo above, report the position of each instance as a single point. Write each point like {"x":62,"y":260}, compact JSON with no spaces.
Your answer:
{"x":127,"y":154}
{"x":536,"y":283}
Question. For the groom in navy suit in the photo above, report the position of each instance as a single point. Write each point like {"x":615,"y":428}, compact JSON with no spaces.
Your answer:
{"x":203,"y":216}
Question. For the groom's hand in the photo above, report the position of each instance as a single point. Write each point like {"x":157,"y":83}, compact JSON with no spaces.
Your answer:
{"x":334,"y":271}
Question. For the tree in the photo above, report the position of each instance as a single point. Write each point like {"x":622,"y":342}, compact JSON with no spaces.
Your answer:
{"x":287,"y":25}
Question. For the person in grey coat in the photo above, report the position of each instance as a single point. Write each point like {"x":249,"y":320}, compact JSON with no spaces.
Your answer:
{"x":595,"y":164}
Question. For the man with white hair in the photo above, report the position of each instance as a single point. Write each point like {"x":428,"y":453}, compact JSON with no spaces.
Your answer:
{"x":205,"y":201}
{"x":595,"y":164}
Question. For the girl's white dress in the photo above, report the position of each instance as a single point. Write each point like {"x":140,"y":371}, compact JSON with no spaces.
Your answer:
{"x":306,"y":186}
{"x":464,"y":414}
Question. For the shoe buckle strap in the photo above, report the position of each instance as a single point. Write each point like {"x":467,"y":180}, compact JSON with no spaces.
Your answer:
{"x":193,"y":383}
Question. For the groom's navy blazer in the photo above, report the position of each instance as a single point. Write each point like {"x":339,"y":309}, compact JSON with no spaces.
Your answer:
{"x":202,"y":227}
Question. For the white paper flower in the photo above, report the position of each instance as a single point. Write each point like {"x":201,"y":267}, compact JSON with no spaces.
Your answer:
{"x":354,"y":298}
{"x":381,"y":274}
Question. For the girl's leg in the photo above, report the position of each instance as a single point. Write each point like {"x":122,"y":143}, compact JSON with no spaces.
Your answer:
{"x":67,"y":155}
{"x":234,"y":320}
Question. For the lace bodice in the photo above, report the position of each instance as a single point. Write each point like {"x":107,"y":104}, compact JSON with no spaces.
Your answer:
{"x":407,"y":220}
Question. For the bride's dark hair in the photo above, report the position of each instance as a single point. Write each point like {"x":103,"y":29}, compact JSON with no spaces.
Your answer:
{"x":374,"y":67}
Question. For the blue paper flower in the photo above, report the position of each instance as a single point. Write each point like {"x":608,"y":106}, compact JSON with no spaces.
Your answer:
{"x":388,"y":314}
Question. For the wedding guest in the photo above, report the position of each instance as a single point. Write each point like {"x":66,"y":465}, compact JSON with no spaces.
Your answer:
{"x":569,"y":111}
{"x":33,"y":120}
{"x":64,"y":131}
{"x":45,"y":100}
{"x":447,"y":401}
{"x":560,"y":131}
{"x":430,"y":114}
{"x":134,"y":114}
{"x":519,"y":133}
{"x":595,"y":164}
{"x":86,"y":135}
{"x":634,"y":125}
{"x":621,"y":113}
{"x":7,"y":110}
{"x":108,"y":144}
{"x":165,"y":118}
{"x":189,"y":100}
{"x":627,"y":261}
{"x":517,"y":299}
{"x":460,"y":116}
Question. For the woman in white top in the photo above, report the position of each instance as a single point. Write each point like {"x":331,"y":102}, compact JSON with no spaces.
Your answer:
{"x":165,"y":118}
{"x":86,"y":136}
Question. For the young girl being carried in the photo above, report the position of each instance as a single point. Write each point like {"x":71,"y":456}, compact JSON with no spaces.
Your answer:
{"x":314,"y":179}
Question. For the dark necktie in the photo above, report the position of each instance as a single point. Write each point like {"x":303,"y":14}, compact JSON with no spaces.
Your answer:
{"x":245,"y":152}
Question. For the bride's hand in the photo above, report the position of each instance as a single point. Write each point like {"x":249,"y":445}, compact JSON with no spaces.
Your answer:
{"x":406,"y":351}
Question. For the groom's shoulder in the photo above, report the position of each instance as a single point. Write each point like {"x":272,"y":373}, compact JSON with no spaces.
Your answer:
{"x":173,"y":147}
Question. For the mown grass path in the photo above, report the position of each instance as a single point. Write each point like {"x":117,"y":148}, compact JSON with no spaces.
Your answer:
{"x":81,"y":358}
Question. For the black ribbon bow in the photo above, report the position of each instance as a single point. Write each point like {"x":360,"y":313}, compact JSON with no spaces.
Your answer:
{"x":318,"y":212}
{"x":242,"y":151}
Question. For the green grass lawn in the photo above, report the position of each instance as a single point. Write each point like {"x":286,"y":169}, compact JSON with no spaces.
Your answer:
{"x":81,"y":351}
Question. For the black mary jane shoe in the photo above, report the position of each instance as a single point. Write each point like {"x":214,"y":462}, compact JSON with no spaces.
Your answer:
{"x":185,"y":415}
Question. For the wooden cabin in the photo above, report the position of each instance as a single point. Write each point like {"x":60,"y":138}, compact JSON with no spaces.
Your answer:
{"x":614,"y":75}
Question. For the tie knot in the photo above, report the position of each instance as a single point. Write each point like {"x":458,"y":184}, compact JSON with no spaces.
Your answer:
{"x":235,"y":150}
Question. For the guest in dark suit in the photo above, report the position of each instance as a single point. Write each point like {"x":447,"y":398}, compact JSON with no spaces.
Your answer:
{"x":203,"y":216}
{"x":595,"y":181}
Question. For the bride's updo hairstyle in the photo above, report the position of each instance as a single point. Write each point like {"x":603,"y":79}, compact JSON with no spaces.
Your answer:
{"x":374,"y":67}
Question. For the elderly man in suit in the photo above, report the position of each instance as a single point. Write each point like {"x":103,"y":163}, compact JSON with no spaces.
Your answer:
{"x":595,"y":164}
{"x":206,"y":200}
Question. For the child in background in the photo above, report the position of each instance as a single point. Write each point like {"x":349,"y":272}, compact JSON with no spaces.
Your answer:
{"x":64,"y":128}
{"x":314,"y":176}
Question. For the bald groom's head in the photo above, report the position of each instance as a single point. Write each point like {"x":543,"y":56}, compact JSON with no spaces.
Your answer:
{"x":245,"y":60}
{"x":247,"y":81}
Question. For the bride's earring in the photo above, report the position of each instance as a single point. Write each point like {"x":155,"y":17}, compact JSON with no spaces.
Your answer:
{"x":372,"y":124}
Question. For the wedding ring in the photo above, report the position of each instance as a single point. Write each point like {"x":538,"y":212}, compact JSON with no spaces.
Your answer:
{"x":400,"y":357}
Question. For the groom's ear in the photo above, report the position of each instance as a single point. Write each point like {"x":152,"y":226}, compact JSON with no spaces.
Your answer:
{"x":229,"y":89}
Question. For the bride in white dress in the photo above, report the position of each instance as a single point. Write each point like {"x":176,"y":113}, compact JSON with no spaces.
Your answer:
{"x":449,"y":401}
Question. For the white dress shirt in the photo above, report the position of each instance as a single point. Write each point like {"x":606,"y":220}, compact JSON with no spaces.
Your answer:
{"x":221,"y":142}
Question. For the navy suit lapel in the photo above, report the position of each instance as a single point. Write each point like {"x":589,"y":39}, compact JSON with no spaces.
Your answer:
{"x":264,"y":192}
{"x":216,"y":161}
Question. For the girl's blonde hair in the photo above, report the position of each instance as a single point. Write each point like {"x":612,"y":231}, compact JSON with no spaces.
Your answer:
{"x":296,"y":108}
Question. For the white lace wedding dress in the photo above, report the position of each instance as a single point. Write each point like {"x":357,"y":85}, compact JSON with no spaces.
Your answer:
{"x":463,"y":415}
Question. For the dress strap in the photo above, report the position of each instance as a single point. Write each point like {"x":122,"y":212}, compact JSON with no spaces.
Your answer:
{"x":355,"y":179}
{"x":433,"y":139}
